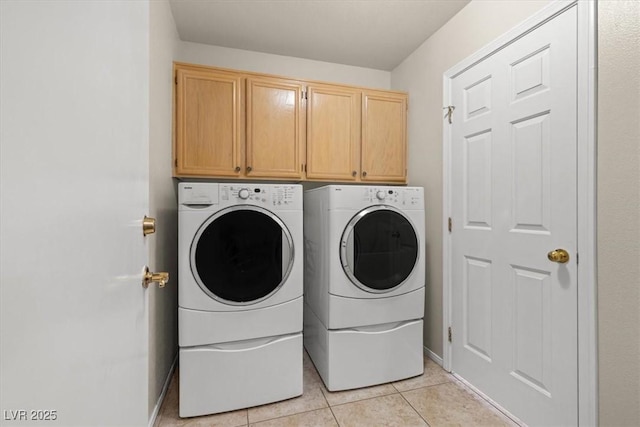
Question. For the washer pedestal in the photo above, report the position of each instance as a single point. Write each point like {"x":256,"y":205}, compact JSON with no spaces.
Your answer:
{"x":229,"y":376}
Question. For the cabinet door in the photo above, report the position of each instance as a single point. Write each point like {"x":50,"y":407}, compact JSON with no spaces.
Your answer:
{"x":333,"y":133}
{"x":384,"y":137}
{"x":208,"y":123}
{"x":275,"y":126}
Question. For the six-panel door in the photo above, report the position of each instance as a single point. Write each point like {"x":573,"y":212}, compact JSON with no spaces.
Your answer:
{"x":514,"y":156}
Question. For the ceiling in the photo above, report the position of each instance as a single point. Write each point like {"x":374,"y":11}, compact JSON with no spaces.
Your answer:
{"x":376,"y":34}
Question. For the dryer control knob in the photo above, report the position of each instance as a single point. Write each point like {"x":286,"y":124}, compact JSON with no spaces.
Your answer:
{"x":243,"y":194}
{"x":381,"y":195}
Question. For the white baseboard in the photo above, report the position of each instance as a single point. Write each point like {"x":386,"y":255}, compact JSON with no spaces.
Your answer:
{"x":431,"y":355}
{"x":165,"y":387}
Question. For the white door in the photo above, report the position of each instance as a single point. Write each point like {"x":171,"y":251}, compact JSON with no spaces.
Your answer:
{"x":74,"y":165}
{"x":513,"y":200}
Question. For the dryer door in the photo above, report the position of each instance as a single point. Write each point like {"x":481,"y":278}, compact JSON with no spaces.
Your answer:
{"x":241,"y":255}
{"x":379,"y":249}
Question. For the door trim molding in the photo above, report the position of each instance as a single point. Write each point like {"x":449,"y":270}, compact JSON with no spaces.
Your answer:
{"x":586,"y":191}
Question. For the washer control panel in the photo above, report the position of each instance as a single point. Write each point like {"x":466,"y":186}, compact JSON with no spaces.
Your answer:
{"x":278,"y":196}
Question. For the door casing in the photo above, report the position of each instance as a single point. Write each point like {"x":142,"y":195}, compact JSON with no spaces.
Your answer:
{"x":586,"y":191}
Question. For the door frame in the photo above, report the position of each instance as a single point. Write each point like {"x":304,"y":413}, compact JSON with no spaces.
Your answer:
{"x":586,"y":191}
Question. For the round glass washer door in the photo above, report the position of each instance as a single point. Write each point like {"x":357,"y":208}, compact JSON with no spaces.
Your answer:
{"x":242,"y":255}
{"x":379,"y":249}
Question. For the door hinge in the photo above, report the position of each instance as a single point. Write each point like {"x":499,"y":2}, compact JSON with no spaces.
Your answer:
{"x":449,"y":113}
{"x":175,"y":162}
{"x":450,"y":224}
{"x":449,"y":333}
{"x":577,"y":258}
{"x":304,"y":95}
{"x":305,"y":168}
{"x":176,"y":79}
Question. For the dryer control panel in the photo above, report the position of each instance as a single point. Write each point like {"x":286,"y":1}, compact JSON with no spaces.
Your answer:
{"x":359,"y":197}
{"x":408,"y":197}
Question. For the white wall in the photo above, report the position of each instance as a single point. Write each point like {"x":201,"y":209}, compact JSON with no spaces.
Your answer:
{"x":421,"y":75}
{"x":163,"y":203}
{"x":285,"y":66}
{"x":619,"y":212}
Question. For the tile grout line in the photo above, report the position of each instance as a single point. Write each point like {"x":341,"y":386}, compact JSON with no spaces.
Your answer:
{"x":363,"y":398}
{"x":425,"y":386}
{"x":291,"y":415}
{"x":322,"y":388}
{"x":416,"y":411}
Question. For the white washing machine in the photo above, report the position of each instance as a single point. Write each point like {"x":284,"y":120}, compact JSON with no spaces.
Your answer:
{"x":364,"y":283}
{"x":240,"y":283}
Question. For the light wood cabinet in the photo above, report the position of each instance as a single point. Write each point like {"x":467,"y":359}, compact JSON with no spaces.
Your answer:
{"x":275,"y":129}
{"x":234,"y":124}
{"x":356,"y":135}
{"x":384,"y":136}
{"x":333,"y":133}
{"x":208,"y":123}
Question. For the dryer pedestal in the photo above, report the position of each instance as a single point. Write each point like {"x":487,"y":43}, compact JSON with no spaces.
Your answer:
{"x":364,"y":356}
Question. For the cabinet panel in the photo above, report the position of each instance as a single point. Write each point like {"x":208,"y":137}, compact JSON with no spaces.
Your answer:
{"x":384,"y":139}
{"x":207,"y":123}
{"x":275,"y":125}
{"x":333,"y":133}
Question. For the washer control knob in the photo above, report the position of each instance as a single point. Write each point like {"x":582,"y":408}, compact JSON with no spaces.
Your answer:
{"x":243,"y":194}
{"x":381,"y":195}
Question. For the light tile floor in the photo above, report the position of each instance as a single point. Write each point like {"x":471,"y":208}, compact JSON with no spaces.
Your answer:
{"x":435,"y":398}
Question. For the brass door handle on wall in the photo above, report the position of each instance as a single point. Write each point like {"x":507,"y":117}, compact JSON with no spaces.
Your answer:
{"x":559,"y":255}
{"x":148,"y":277}
{"x":148,"y":225}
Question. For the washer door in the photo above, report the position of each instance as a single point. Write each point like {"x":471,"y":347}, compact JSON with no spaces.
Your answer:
{"x":379,"y":249}
{"x":241,"y":255}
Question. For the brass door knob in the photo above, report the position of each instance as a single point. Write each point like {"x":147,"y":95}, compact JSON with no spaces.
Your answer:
{"x":559,"y":255}
{"x":148,"y":225}
{"x":148,"y":277}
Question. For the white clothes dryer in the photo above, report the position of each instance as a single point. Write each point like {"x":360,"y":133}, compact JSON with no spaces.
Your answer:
{"x":364,"y":283}
{"x":240,"y":275}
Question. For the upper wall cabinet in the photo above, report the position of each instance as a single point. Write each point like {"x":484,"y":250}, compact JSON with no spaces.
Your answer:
{"x":251,"y":126}
{"x":333,"y":133}
{"x":384,"y":136}
{"x":275,"y":128}
{"x":208,"y":123}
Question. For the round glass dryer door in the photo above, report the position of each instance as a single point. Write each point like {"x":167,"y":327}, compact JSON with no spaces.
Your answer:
{"x":379,"y":249}
{"x":242,"y":255}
